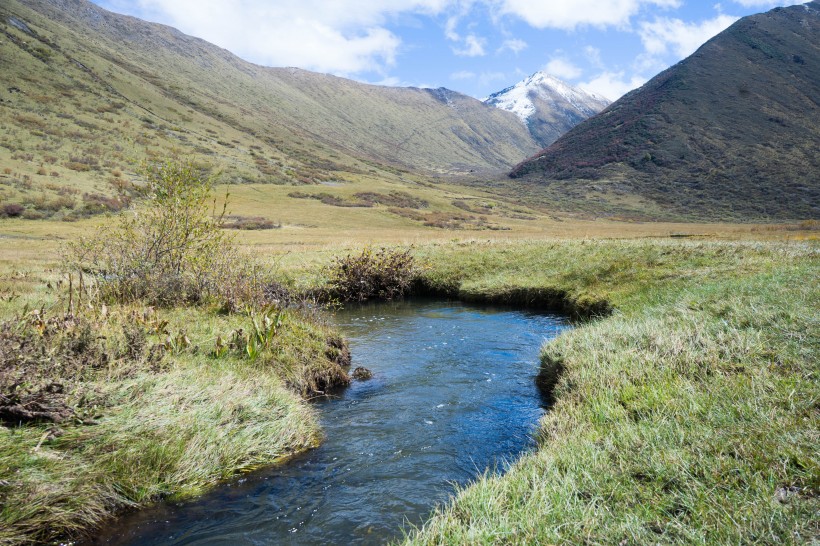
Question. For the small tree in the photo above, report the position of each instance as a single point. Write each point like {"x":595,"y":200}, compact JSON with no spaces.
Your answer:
{"x":170,"y":250}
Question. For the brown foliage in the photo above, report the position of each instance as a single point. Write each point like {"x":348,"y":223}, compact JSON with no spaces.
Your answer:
{"x":383,"y":273}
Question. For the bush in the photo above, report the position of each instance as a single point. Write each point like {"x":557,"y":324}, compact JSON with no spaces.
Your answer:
{"x":250,"y":223}
{"x":12,"y":210}
{"x":170,"y":251}
{"x":96,"y":203}
{"x":383,"y":273}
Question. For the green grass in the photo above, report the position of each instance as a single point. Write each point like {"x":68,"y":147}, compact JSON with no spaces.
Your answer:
{"x":687,"y":416}
{"x":685,"y":411}
{"x":161,"y":430}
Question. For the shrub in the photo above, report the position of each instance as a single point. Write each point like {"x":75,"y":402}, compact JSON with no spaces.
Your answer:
{"x":383,"y":273}
{"x":393,"y":199}
{"x":12,"y":210}
{"x":250,"y":223}
{"x":95,"y":203}
{"x":172,"y":250}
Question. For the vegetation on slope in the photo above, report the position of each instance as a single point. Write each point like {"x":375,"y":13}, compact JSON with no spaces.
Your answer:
{"x":114,"y":394}
{"x":85,"y":93}
{"x":688,"y":416}
{"x":702,"y":142}
{"x":685,"y":414}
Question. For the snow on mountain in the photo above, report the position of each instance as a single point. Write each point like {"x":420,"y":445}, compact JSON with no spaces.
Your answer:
{"x":518,"y":98}
{"x":547,"y":106}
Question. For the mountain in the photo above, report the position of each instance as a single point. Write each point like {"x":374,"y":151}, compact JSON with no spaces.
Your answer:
{"x":87,"y":94}
{"x":548,"y":106}
{"x":731,"y":132}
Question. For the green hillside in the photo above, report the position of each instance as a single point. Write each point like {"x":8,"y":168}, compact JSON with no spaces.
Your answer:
{"x":88,"y":94}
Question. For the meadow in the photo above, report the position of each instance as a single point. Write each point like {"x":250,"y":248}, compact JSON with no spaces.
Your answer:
{"x":685,"y":400}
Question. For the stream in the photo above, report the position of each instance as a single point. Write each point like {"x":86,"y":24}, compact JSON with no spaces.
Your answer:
{"x":452,"y":394}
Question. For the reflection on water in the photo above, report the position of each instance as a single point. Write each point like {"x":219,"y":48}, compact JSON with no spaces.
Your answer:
{"x":452,"y":394}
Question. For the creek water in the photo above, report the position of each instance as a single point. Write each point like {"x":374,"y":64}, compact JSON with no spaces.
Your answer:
{"x":452,"y":394}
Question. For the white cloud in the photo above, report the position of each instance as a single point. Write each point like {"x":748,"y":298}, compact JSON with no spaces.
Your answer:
{"x":613,"y":85}
{"x":663,"y":35}
{"x":463,"y":75}
{"x":473,"y":47}
{"x":339,"y":37}
{"x":515,"y":45}
{"x":450,"y":29}
{"x":563,"y":69}
{"x":593,"y":55}
{"x":570,"y":14}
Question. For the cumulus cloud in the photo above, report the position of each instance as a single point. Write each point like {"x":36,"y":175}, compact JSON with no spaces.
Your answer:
{"x":663,"y":35}
{"x":362,"y":38}
{"x":563,"y":68}
{"x":570,"y":14}
{"x":338,"y":37}
{"x":613,"y":85}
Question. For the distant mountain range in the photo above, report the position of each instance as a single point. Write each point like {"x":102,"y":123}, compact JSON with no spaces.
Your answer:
{"x":86,"y":83}
{"x":732,"y":132}
{"x":548,"y":106}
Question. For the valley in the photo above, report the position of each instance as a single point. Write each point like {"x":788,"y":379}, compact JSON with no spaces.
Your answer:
{"x":182,"y":234}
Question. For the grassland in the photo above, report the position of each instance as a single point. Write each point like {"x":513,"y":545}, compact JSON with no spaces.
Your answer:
{"x":165,"y":417}
{"x":685,"y":409}
{"x":685,"y":413}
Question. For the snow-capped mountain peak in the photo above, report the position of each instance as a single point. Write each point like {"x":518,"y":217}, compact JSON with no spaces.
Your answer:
{"x":543,"y":100}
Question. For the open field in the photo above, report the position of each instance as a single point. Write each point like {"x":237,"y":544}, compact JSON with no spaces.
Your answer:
{"x":686,"y":414}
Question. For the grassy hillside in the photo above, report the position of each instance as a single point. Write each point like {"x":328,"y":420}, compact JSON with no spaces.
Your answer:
{"x":730,"y":132}
{"x":87,"y":95}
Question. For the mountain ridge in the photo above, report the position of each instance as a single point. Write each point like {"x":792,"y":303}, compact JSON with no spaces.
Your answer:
{"x":704,"y":141}
{"x":547,"y":105}
{"x":84,"y":58}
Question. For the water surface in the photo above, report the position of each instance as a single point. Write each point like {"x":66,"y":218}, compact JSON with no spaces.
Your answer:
{"x":452,"y":394}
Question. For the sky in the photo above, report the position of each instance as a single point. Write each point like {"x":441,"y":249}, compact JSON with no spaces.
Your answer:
{"x":476,"y":47}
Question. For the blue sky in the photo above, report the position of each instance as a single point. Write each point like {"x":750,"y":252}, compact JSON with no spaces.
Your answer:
{"x":473,"y":46}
